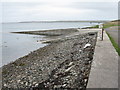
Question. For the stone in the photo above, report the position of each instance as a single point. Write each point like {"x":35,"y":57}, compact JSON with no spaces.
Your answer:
{"x":87,"y":45}
{"x":5,"y":85}
{"x":71,"y":63}
{"x":18,"y":81}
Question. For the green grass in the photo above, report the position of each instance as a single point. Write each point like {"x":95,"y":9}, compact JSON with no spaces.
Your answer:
{"x":109,"y":25}
{"x":114,"y":44}
{"x":96,"y":26}
{"x":104,"y":26}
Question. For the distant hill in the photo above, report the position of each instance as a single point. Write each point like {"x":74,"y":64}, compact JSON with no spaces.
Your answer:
{"x":112,"y":23}
{"x":99,"y":21}
{"x":116,"y":21}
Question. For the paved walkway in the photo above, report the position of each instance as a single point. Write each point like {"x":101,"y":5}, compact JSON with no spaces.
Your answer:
{"x":104,"y":69}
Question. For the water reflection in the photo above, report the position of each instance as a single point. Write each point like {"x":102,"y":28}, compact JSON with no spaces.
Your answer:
{"x":17,"y":45}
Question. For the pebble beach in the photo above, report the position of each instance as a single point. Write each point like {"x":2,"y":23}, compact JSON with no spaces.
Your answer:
{"x":64,"y":63}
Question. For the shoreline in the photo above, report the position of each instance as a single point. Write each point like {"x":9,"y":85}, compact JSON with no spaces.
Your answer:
{"x":67,"y":58}
{"x":50,"y":32}
{"x":44,"y":38}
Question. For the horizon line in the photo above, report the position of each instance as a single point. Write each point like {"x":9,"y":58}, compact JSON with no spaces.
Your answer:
{"x":60,"y":21}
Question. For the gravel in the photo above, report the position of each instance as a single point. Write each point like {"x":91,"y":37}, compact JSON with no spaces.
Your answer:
{"x":59,"y":65}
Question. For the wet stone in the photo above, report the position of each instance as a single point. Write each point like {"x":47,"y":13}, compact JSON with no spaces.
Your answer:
{"x":63,"y":64}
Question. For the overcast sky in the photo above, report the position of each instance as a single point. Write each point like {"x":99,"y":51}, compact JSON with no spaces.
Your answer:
{"x":63,"y":10}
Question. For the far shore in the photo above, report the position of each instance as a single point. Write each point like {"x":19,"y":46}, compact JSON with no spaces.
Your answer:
{"x":55,"y":21}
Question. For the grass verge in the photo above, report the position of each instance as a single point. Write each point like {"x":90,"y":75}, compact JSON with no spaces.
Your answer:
{"x":107,"y":25}
{"x":96,"y":26}
{"x":104,"y":26}
{"x":114,"y":43}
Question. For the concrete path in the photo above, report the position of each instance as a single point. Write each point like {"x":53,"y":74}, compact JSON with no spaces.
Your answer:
{"x":104,"y":69}
{"x":113,"y":31}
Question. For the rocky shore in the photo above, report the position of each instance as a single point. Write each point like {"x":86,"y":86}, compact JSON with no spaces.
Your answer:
{"x":62,"y":64}
{"x":54,"y":32}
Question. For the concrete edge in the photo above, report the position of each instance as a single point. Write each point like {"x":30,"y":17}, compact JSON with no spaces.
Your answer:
{"x":104,"y":69}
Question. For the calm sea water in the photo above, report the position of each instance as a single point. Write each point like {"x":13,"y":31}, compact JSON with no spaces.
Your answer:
{"x":14,"y":46}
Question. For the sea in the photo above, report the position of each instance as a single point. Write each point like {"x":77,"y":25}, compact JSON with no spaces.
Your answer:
{"x":14,"y":46}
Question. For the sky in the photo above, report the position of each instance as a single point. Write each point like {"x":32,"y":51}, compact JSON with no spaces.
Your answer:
{"x":50,"y":10}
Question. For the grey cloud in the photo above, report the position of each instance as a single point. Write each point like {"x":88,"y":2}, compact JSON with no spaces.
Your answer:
{"x":94,"y":5}
{"x":102,"y":10}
